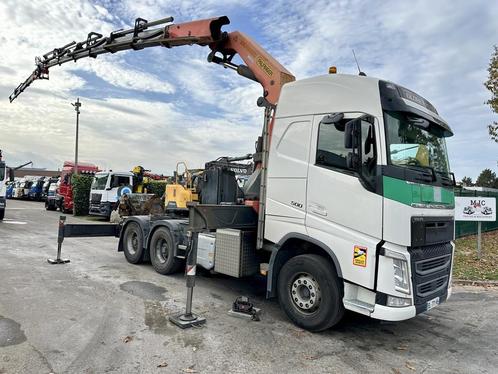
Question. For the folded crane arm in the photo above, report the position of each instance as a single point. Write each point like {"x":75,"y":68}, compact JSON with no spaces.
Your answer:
{"x":259,"y":66}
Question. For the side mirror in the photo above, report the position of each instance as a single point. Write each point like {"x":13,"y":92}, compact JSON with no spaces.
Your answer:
{"x":351,"y":134}
{"x":108,"y":188}
{"x":11,"y":175}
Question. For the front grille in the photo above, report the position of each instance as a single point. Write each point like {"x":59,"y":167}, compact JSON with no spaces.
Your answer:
{"x":95,"y":198}
{"x":432,"y":286}
{"x":431,"y":266}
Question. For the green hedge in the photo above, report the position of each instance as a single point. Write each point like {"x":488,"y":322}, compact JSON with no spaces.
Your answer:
{"x":81,"y":193}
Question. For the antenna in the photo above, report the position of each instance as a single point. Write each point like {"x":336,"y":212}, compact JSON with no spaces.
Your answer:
{"x":358,"y":65}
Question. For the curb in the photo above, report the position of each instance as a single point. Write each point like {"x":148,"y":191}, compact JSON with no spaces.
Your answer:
{"x":484,"y":283}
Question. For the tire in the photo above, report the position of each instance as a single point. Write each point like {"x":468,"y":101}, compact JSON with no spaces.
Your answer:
{"x":133,"y":243}
{"x":49,"y":206}
{"x":161,"y":252}
{"x":310,"y":292}
{"x":2,"y":214}
{"x":63,"y":209}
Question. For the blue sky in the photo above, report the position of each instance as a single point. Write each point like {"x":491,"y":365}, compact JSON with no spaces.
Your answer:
{"x":160,"y":106}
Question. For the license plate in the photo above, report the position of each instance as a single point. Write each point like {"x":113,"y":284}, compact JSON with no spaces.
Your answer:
{"x":432,"y":303}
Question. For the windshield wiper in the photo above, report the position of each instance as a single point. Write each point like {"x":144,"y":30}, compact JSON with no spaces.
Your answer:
{"x":446,"y":180}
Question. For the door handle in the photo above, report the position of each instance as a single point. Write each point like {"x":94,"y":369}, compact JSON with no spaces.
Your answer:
{"x":317,"y":209}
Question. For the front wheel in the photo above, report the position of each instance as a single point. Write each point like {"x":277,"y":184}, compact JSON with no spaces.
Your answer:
{"x":2,"y":214}
{"x":310,"y":292}
{"x":162,"y":252}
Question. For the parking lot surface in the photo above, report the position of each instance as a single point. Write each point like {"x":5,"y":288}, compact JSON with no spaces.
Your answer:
{"x":100,"y":314}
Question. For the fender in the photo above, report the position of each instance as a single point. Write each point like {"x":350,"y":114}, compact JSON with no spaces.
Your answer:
{"x":278,"y":258}
{"x":177,"y":227}
{"x":142,"y":221}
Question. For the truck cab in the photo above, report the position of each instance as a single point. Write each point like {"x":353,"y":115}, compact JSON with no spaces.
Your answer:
{"x":107,"y":187}
{"x":36,"y":190}
{"x":22,"y":188}
{"x":358,"y":173}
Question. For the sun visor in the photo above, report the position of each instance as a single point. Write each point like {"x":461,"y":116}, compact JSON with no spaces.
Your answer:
{"x":400,"y":99}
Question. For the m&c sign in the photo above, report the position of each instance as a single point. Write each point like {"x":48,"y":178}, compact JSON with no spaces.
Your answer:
{"x":475,"y":208}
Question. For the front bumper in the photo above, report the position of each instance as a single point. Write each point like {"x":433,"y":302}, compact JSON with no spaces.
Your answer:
{"x":101,"y":209}
{"x":387,"y":313}
{"x":2,"y":203}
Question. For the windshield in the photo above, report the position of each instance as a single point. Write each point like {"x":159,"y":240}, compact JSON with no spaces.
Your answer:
{"x":414,"y":141}
{"x":99,"y":182}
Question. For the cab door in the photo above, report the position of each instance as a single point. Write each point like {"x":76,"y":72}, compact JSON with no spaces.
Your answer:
{"x":343,"y":209}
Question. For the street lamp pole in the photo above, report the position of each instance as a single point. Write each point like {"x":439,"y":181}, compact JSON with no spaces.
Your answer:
{"x":77,"y":106}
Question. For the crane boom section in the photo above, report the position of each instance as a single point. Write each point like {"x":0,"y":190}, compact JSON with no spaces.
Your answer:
{"x":261,"y":66}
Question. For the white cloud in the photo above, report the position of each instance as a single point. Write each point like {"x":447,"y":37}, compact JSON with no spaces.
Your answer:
{"x":34,"y":28}
{"x":116,"y":71}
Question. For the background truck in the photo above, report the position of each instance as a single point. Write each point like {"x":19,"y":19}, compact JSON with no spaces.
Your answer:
{"x":36,"y":189}
{"x":63,"y":198}
{"x":339,"y":213}
{"x":107,"y":188}
{"x":51,"y":198}
{"x":7,"y":175}
{"x":47,"y":184}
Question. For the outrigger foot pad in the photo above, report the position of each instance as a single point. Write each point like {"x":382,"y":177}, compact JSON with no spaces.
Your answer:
{"x":58,"y":261}
{"x":185,"y":321}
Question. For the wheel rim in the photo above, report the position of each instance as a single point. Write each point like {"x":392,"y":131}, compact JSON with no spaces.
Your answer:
{"x":161,"y":250}
{"x":305,"y":293}
{"x":132,"y":242}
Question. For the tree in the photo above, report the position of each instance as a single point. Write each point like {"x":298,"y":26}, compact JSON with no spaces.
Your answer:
{"x":487,"y":178}
{"x":492,"y":85}
{"x":467,"y":182}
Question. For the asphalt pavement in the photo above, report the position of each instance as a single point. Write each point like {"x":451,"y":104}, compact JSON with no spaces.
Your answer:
{"x":100,"y":314}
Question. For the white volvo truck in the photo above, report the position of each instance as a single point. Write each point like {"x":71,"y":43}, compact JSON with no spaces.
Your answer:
{"x":351,"y":203}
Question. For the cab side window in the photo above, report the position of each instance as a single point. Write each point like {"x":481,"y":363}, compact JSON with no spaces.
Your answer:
{"x":330,"y":150}
{"x":118,"y":181}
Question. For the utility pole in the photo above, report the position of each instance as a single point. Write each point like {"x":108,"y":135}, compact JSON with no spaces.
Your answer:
{"x":77,"y":106}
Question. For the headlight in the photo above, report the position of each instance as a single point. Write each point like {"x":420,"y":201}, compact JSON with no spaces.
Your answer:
{"x":401,"y":281}
{"x":400,"y":266}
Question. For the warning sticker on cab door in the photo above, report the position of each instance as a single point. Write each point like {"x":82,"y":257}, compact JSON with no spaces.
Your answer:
{"x":360,"y":256}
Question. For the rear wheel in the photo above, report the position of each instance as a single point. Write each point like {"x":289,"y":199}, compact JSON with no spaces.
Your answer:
{"x":2,"y":214}
{"x":133,"y":243}
{"x":310,"y":292}
{"x":162,"y":252}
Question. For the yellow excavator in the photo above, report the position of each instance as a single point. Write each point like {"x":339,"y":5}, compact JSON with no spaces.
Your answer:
{"x":184,"y":189}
